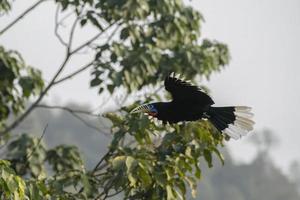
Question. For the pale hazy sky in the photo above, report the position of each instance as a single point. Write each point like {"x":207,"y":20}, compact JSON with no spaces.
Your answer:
{"x":264,"y":40}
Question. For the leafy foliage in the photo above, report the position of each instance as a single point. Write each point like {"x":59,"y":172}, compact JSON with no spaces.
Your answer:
{"x":18,"y":83}
{"x":154,"y":37}
{"x":157,"y":37}
{"x":160,"y":163}
{"x":27,"y":156}
{"x":11,"y":185}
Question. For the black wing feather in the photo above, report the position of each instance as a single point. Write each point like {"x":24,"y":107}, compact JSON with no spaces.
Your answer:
{"x":183,"y":91}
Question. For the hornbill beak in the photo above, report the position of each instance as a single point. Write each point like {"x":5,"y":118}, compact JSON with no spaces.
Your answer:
{"x":143,"y":108}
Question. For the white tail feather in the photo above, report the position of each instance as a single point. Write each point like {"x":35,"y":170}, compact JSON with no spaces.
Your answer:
{"x":241,"y":132}
{"x":245,"y":120}
{"x":231,"y":133}
{"x":244,"y":114}
{"x":242,"y":108}
{"x":243,"y":125}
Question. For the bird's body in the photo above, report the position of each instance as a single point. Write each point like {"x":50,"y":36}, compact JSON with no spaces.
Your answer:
{"x":190,"y":103}
{"x":173,"y":112}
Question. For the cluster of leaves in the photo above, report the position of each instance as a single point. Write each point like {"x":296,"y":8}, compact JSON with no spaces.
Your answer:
{"x":157,"y":37}
{"x":18,"y":83}
{"x":28,"y":157}
{"x":5,"y":6}
{"x":157,"y":163}
{"x":153,"y":37}
{"x":11,"y":185}
{"x":145,"y":160}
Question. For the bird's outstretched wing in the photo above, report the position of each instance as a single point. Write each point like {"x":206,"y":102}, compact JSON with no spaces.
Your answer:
{"x":183,"y":91}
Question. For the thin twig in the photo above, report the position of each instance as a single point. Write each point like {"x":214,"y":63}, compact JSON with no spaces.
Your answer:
{"x":96,"y":168}
{"x":66,"y":17}
{"x":39,"y":141}
{"x":95,"y":37}
{"x":74,"y":114}
{"x":67,"y":109}
{"x":72,"y":31}
{"x":114,"y":194}
{"x":21,"y":16}
{"x":99,"y":163}
{"x":106,"y":189}
{"x":74,"y":73}
{"x":89,"y":64}
{"x":61,"y":40}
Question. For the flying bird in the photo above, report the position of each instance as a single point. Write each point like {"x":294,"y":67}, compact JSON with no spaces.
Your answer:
{"x":190,"y":103}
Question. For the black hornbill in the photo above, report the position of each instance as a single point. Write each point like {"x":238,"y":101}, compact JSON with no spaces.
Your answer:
{"x":190,"y":103}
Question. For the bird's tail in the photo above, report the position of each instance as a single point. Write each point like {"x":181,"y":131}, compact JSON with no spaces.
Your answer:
{"x":234,"y":121}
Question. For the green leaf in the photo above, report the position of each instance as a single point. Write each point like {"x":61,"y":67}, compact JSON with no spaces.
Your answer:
{"x":208,"y":157}
{"x":170,"y":193}
{"x":27,"y":85}
{"x":132,"y":179}
{"x":192,"y":183}
{"x":218,"y":153}
{"x":131,"y":163}
{"x":87,"y":189}
{"x":118,"y":162}
{"x":124,"y":33}
{"x":96,"y":81}
{"x":83,"y":22}
{"x":144,"y":177}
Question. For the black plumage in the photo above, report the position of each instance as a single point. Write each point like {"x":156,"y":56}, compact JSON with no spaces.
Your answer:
{"x":190,"y":103}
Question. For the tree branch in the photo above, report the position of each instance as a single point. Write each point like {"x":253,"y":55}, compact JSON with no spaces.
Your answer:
{"x":69,"y":53}
{"x":75,"y":113}
{"x":61,"y":40}
{"x":74,"y":73}
{"x":89,"y":64}
{"x":67,"y":109}
{"x":114,"y":194}
{"x":21,"y":16}
{"x":96,"y":37}
{"x":32,"y":106}
{"x":72,"y":31}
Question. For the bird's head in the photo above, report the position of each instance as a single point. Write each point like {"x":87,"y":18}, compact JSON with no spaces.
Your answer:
{"x":151,"y":109}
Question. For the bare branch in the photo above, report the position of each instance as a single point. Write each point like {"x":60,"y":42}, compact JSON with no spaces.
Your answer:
{"x":75,"y":113}
{"x":67,"y":109}
{"x":21,"y":16}
{"x":57,"y":26}
{"x":72,"y":31}
{"x":87,"y":43}
{"x":74,"y":73}
{"x":99,"y":163}
{"x":89,"y":64}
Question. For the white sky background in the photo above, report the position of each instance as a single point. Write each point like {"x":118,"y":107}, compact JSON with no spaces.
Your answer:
{"x":264,"y":40}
